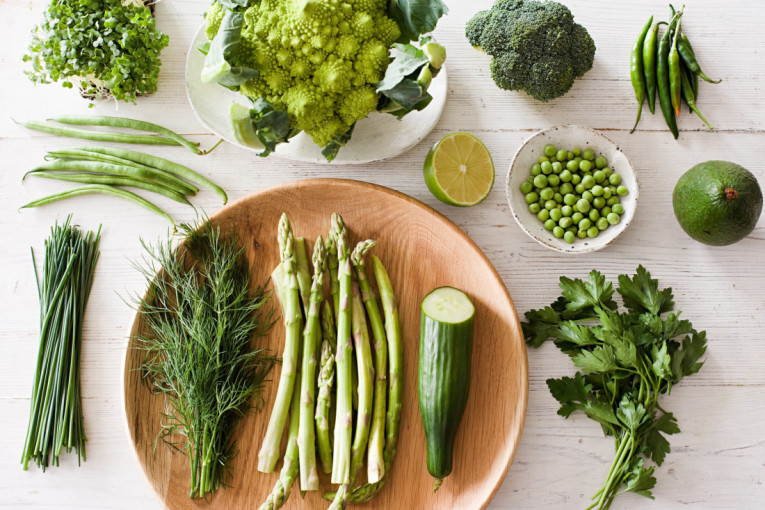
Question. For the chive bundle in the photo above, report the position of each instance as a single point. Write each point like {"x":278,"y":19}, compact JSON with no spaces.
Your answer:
{"x":55,"y":418}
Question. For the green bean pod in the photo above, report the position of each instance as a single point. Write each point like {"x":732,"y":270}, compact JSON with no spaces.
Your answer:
{"x":99,"y":189}
{"x":689,"y":57}
{"x":86,"y":154}
{"x":114,"y":180}
{"x":161,"y":164}
{"x":649,"y":65}
{"x":636,"y":70}
{"x":690,"y":99}
{"x":122,"y":122}
{"x":675,"y":73}
{"x":157,"y":177}
{"x":95,"y":136}
{"x":662,"y":80}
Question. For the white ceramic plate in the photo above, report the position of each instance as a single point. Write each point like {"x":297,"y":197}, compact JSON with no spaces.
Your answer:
{"x":377,"y":137}
{"x":569,"y":137}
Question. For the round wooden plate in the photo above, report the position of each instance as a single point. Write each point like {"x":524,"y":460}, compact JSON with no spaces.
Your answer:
{"x":421,"y":250}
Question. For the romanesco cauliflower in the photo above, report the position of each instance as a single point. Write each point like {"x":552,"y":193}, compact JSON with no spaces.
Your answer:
{"x":318,"y":59}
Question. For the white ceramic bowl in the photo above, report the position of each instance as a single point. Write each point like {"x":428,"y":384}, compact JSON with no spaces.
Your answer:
{"x":569,"y":137}
{"x":377,"y":137}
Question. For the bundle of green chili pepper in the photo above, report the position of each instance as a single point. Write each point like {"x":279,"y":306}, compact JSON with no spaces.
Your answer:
{"x":666,"y":64}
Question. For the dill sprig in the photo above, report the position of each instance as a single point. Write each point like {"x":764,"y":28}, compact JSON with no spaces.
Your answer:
{"x":55,"y":416}
{"x":201,"y":316}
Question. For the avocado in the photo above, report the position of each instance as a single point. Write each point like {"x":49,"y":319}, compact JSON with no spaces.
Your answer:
{"x":717,"y":202}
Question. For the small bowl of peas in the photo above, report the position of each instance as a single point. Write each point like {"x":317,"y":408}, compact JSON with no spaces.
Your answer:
{"x":572,"y":189}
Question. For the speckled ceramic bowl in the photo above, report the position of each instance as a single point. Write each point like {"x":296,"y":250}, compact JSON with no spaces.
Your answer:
{"x":569,"y":137}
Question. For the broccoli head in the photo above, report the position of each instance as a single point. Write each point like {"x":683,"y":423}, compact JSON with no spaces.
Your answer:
{"x":536,"y":46}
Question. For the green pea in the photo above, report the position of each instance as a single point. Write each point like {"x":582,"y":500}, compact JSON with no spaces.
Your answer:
{"x":566,"y":188}
{"x":549,"y":225}
{"x":577,"y":151}
{"x":534,"y":208}
{"x":550,"y":204}
{"x":572,"y":165}
{"x":558,"y":198}
{"x":565,"y":176}
{"x":546,"y":168}
{"x":546,"y":194}
{"x":569,"y":237}
{"x":542,"y":159}
{"x":597,"y":190}
{"x":583,"y":205}
{"x":532,"y":197}
{"x":540,"y":181}
{"x":602,"y":223}
{"x":615,"y":179}
{"x":576,"y":179}
{"x":599,"y":202}
{"x":607,"y":192}
{"x":536,"y":169}
{"x":607,"y":171}
{"x":567,"y":211}
{"x":613,"y":218}
{"x":543,"y":215}
{"x":550,"y":150}
{"x":557,"y":167}
{"x":558,"y":232}
{"x":622,"y":191}
{"x":556,"y":214}
{"x":588,"y":154}
{"x":599,"y":176}
{"x":585,"y":166}
{"x":569,"y":199}
{"x":578,"y":160}
{"x":588,"y":196}
{"x":605,"y":210}
{"x":577,"y":217}
{"x":561,"y":155}
{"x":612,"y":201}
{"x":569,"y":155}
{"x":618,"y":208}
{"x":565,"y":222}
{"x":594,"y":214}
{"x":581,"y":234}
{"x":554,"y":180}
{"x":579,"y":188}
{"x":588,"y":181}
{"x":585,"y":224}
{"x":601,"y":162}
{"x":593,"y":231}
{"x":526,"y":187}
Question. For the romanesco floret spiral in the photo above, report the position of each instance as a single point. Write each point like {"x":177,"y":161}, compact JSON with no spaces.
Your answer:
{"x":318,"y":59}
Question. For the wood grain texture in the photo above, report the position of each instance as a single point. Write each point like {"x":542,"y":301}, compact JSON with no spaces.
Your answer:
{"x":421,"y":250}
{"x":717,"y":461}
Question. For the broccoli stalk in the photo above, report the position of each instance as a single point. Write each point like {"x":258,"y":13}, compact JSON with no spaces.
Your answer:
{"x":536,"y":46}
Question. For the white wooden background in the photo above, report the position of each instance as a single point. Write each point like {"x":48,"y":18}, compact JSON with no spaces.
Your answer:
{"x":717,"y":462}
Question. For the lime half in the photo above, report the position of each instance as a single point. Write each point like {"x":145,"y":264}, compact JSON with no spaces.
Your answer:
{"x":459,"y":170}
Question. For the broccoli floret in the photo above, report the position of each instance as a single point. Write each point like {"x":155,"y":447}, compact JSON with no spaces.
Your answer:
{"x":536,"y":46}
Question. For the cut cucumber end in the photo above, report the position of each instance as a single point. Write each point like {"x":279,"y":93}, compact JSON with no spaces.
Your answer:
{"x":449,"y":305}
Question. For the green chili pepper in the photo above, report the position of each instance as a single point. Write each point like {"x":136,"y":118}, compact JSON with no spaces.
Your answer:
{"x":689,"y":57}
{"x":649,"y":65}
{"x":636,"y":70}
{"x":691,"y":99}
{"x":662,"y":78}
{"x":693,"y":77}
{"x":675,"y":73}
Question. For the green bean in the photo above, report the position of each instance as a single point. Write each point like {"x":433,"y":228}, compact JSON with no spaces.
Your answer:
{"x":86,"y":154}
{"x":675,"y":72}
{"x":96,"y":136}
{"x":662,"y":79}
{"x":162,"y":164}
{"x":122,"y":122}
{"x":157,"y":177}
{"x":689,"y":57}
{"x":636,"y":70}
{"x":114,"y":180}
{"x":690,"y":98}
{"x":99,"y":189}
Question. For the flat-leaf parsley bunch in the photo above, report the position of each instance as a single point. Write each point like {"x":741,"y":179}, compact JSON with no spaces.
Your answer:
{"x":626,"y":361}
{"x":107,"y":48}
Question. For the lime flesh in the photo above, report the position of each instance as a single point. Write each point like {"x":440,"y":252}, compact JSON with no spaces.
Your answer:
{"x":459,"y":170}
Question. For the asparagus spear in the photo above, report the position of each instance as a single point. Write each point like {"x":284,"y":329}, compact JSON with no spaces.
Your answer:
{"x":366,"y":373}
{"x":269,"y":451}
{"x":342,"y":437}
{"x":375,"y":464}
{"x":326,"y":378}
{"x":303,"y":272}
{"x":334,"y":285}
{"x":289,"y":472}
{"x":309,"y":476}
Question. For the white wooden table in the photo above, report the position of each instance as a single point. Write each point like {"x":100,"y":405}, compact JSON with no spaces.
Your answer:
{"x":717,"y":462}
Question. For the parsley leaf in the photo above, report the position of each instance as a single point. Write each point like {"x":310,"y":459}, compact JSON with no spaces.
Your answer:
{"x":641,"y":293}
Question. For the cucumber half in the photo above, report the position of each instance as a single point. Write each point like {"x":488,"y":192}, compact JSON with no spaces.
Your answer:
{"x":446,"y":348}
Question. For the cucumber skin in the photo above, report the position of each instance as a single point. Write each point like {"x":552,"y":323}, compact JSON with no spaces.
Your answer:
{"x":443,"y":386}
